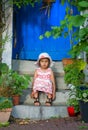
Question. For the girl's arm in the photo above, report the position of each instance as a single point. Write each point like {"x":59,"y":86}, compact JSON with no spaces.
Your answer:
{"x":54,"y":85}
{"x":35,"y":75}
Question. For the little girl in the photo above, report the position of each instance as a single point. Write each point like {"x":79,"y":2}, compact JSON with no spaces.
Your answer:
{"x":43,"y":80}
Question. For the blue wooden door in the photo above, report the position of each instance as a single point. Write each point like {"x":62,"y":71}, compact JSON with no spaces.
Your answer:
{"x":30,"y":23}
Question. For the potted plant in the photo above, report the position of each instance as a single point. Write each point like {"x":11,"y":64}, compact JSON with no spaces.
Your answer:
{"x":5,"y":109}
{"x":12,"y":83}
{"x":73,"y":106}
{"x":5,"y":94}
{"x":74,"y":75}
{"x":18,"y":84}
{"x":82,"y":97}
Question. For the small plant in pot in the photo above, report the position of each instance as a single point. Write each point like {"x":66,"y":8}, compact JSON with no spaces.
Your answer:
{"x":73,"y":106}
{"x":74,"y":74}
{"x":5,"y":109}
{"x":5,"y":94}
{"x":82,"y":97}
{"x":12,"y":83}
{"x":18,"y":84}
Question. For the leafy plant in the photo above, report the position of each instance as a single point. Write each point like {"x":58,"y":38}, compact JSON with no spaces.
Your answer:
{"x":21,"y":3}
{"x":5,"y":80}
{"x":12,"y":82}
{"x":74,"y":73}
{"x":4,"y":124}
{"x":19,"y":82}
{"x":82,"y":93}
{"x":5,"y":103}
{"x":73,"y":102}
{"x":79,"y":37}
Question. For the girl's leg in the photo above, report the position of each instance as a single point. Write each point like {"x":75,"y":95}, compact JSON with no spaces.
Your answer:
{"x":49,"y":100}
{"x":36,"y":97}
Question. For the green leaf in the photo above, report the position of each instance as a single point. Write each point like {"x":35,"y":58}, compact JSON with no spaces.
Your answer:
{"x":83,"y":4}
{"x":41,"y":37}
{"x":47,"y":34}
{"x":77,"y":20}
{"x":85,"y":15}
{"x":62,"y":2}
{"x":83,"y":32}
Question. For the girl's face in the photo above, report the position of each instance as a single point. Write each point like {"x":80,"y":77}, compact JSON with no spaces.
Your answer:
{"x":44,"y":63}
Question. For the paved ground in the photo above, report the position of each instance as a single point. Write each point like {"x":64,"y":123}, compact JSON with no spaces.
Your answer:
{"x":71,"y":123}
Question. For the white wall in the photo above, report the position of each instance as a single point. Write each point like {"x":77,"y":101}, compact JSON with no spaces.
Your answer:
{"x":7,"y":54}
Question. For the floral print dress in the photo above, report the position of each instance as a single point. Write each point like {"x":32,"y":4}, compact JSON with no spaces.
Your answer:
{"x":43,"y":81}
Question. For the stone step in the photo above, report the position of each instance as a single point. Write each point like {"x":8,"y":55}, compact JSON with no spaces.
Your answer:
{"x":27,"y":109}
{"x":61,"y":97}
{"x":39,"y":112}
{"x":28,"y":67}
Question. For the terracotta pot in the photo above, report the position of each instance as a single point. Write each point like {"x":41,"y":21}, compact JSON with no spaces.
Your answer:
{"x":5,"y":115}
{"x":71,"y":111}
{"x":48,"y":1}
{"x":67,"y":61}
{"x":16,"y":99}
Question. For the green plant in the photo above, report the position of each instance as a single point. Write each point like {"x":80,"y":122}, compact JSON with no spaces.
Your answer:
{"x":82,"y":93}
{"x":5,"y":80}
{"x":11,"y":82}
{"x":74,"y":73}
{"x":4,"y":124}
{"x":73,"y":102}
{"x":79,"y":37}
{"x":5,"y":103}
{"x":19,"y":82}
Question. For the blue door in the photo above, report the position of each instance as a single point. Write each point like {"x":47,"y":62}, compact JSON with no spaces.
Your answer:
{"x":30,"y":23}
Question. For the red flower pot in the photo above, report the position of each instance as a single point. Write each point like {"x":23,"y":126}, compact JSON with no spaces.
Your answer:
{"x":71,"y":111}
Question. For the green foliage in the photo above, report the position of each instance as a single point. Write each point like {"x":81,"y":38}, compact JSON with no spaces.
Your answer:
{"x":5,"y":103}
{"x":73,"y":102}
{"x":80,"y":36}
{"x":83,"y":4}
{"x":74,"y":73}
{"x":4,"y":124}
{"x":5,"y":80}
{"x":77,"y":20}
{"x":82,"y":93}
{"x":12,"y":82}
{"x":21,"y":3}
{"x":19,"y":82}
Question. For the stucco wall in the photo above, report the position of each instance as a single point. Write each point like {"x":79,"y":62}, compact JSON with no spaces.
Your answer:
{"x":7,"y":54}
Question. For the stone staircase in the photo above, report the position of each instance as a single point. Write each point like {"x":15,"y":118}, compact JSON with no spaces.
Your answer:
{"x":26,"y":109}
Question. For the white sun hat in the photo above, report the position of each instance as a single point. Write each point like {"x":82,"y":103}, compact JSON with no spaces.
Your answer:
{"x":44,"y":55}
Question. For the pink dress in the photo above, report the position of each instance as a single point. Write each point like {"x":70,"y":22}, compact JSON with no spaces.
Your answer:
{"x":43,"y":82}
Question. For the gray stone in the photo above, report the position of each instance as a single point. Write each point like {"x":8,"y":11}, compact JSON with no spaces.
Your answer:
{"x":39,"y":112}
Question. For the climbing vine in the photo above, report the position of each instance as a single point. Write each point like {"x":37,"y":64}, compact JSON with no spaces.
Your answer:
{"x":79,"y":21}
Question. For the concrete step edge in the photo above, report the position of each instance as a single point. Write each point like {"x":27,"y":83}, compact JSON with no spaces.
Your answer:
{"x":31,"y":73}
{"x":39,"y":112}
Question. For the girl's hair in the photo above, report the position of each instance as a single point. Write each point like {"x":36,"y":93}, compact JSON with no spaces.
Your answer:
{"x":48,"y":62}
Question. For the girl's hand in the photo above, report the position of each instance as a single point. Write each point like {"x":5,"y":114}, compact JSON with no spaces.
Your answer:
{"x":32,"y":94}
